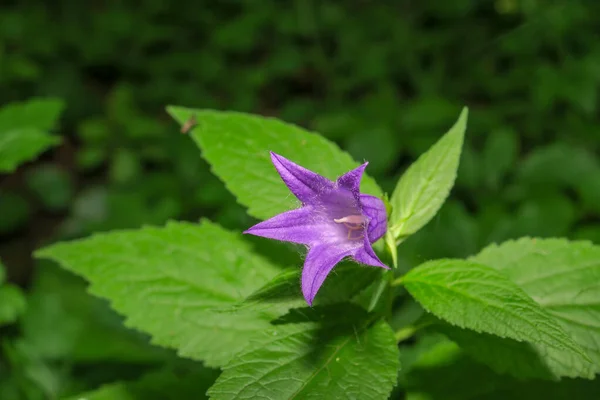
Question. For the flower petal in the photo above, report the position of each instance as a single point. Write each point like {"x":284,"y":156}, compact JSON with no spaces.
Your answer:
{"x":351,"y":179}
{"x":306,"y":185}
{"x":374,"y":209}
{"x":366,"y":255}
{"x":296,"y":226}
{"x":319,"y":262}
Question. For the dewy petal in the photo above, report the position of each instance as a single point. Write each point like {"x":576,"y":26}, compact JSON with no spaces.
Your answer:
{"x":319,"y":262}
{"x":366,"y":255}
{"x":351,"y":179}
{"x":306,"y":185}
{"x":296,"y":226}
{"x":374,"y":209}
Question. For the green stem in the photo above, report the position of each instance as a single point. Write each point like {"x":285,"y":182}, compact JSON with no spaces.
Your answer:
{"x":405,"y":333}
{"x":409,"y":331}
{"x":377,"y":295}
{"x":397,"y":281}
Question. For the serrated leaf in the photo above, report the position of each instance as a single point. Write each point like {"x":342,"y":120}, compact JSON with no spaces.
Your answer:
{"x":170,"y":282}
{"x":23,"y":131}
{"x":424,"y":187}
{"x":283,"y":292}
{"x":474,"y":296}
{"x":563,"y":277}
{"x":329,"y":359}
{"x":237,"y":146}
{"x":161,"y":385}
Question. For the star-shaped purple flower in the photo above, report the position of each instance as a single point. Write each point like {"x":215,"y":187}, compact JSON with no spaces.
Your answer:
{"x":335,"y":221}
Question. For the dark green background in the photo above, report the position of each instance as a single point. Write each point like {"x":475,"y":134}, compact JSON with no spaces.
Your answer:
{"x":384,"y":79}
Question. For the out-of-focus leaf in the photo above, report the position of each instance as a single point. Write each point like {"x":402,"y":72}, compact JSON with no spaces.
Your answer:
{"x":23,"y":131}
{"x":14,"y":211}
{"x":63,"y":321}
{"x":499,"y":155}
{"x":52,"y":186}
{"x":162,"y":385}
{"x":12,"y":300}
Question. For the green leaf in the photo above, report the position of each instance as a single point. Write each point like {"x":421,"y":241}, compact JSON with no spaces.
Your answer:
{"x":171,"y":282}
{"x":39,"y":114}
{"x":162,"y":385}
{"x":12,"y":300}
{"x":325,"y":359}
{"x":20,"y":145}
{"x":391,"y":247}
{"x":12,"y":304}
{"x":519,"y":359}
{"x":283,"y":292}
{"x":63,"y":321}
{"x":474,"y":296}
{"x":23,"y":131}
{"x":563,"y":277}
{"x":237,"y":146}
{"x":426,"y":184}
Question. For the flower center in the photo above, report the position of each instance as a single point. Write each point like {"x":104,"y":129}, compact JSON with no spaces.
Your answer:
{"x":355,"y":224}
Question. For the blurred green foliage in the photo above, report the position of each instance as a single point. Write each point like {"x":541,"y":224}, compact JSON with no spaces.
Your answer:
{"x":383,"y":79}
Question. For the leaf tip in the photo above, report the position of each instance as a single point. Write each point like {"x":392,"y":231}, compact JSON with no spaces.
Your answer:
{"x":178,"y":113}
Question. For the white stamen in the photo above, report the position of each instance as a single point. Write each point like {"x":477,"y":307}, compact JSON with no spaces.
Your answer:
{"x":351,"y":219}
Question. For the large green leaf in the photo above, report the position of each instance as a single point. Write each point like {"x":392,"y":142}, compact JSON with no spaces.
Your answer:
{"x":426,"y":184}
{"x":23,"y":131}
{"x":563,"y":277}
{"x":170,"y":282}
{"x":477,"y":297}
{"x":340,"y":356}
{"x":237,"y":146}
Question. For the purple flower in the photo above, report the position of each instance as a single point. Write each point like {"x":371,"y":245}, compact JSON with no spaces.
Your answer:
{"x":335,"y":221}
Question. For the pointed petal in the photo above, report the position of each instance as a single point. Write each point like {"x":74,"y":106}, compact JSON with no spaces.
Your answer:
{"x":366,"y":255}
{"x":351,"y":179}
{"x":296,"y":226}
{"x":374,"y":209}
{"x":306,"y":185}
{"x":319,"y":262}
